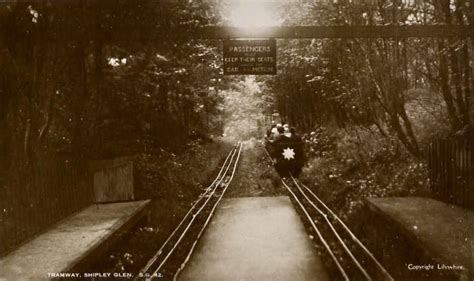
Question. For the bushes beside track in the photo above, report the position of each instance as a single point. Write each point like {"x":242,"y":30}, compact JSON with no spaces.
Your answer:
{"x":164,"y":174}
{"x":173,"y":181}
{"x":345,"y":166}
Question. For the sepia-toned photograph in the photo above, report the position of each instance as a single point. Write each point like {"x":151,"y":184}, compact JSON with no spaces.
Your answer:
{"x":237,"y":140}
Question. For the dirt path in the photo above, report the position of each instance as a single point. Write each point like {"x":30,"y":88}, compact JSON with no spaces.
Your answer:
{"x":255,"y":176}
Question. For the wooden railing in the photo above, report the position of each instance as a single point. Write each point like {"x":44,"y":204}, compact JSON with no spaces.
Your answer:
{"x":33,"y":200}
{"x":57,"y":187}
{"x":451,"y":171}
{"x":112,"y":179}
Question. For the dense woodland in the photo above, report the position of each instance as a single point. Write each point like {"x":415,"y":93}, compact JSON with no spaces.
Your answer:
{"x":80,"y":80}
{"x":77,"y":84}
{"x":395,"y":85}
{"x":371,"y":107}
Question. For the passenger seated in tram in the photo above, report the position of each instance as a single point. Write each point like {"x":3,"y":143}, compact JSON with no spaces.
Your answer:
{"x":278,"y":134}
{"x":269,"y":131}
{"x":285,"y":147}
{"x":287,"y":132}
{"x":290,"y":133}
{"x":274,"y":132}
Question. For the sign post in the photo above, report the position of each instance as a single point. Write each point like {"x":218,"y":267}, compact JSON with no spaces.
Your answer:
{"x":250,"y":57}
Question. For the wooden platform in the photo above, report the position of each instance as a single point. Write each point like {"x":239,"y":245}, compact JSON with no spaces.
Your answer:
{"x":73,"y":243}
{"x":441,"y":232}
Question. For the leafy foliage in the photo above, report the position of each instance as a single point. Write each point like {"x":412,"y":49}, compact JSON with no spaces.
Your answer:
{"x":243,"y":109}
{"x":365,"y":82}
{"x":84,"y":80}
{"x":370,"y":107}
{"x":348,"y":166}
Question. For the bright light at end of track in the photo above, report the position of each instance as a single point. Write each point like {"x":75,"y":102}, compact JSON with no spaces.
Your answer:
{"x":253,"y":14}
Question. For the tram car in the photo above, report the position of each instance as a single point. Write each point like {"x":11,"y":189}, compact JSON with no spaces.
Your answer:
{"x":287,"y":154}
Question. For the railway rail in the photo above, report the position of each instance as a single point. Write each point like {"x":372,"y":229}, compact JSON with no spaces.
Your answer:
{"x":351,"y":258}
{"x":194,"y":221}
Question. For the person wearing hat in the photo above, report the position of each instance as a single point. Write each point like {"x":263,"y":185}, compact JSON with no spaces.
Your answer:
{"x":287,"y":131}
{"x":277,"y":131}
{"x":269,"y":131}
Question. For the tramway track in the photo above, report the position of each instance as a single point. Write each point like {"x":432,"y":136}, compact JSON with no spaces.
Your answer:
{"x":194,"y":221}
{"x":349,"y":256}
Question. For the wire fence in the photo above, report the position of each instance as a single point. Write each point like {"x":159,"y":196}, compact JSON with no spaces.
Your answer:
{"x":451,"y":171}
